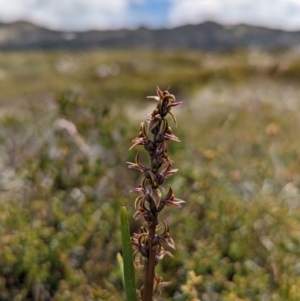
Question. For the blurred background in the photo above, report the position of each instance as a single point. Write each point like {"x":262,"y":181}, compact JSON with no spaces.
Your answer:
{"x":74,"y":76}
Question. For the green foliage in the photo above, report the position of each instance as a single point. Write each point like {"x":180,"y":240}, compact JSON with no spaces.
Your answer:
{"x":65,"y":128}
{"x":129,"y":279}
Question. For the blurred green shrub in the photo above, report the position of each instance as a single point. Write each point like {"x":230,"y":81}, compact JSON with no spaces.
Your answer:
{"x":63,"y":176}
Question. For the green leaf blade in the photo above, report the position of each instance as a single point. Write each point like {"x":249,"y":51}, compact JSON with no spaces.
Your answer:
{"x":129,"y":277}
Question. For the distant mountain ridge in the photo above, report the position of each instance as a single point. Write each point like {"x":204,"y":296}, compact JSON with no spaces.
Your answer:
{"x":206,"y":36}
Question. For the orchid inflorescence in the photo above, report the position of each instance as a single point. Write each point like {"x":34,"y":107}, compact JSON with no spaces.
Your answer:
{"x":149,"y":244}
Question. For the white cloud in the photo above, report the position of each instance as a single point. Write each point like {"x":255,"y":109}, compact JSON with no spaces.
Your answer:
{"x":111,"y":14}
{"x":68,"y":14}
{"x":275,"y":13}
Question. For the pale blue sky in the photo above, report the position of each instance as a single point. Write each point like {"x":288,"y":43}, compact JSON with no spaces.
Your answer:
{"x":113,"y":14}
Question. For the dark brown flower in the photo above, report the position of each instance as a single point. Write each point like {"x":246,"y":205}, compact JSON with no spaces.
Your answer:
{"x":137,"y":165}
{"x":170,"y":200}
{"x":142,"y":137}
{"x":167,"y":133}
{"x":165,"y":236}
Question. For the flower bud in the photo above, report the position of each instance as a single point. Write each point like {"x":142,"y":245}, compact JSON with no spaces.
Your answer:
{"x":161,"y":206}
{"x":148,"y":197}
{"x":160,"y":178}
{"x":149,"y":146}
{"x":143,"y":250}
